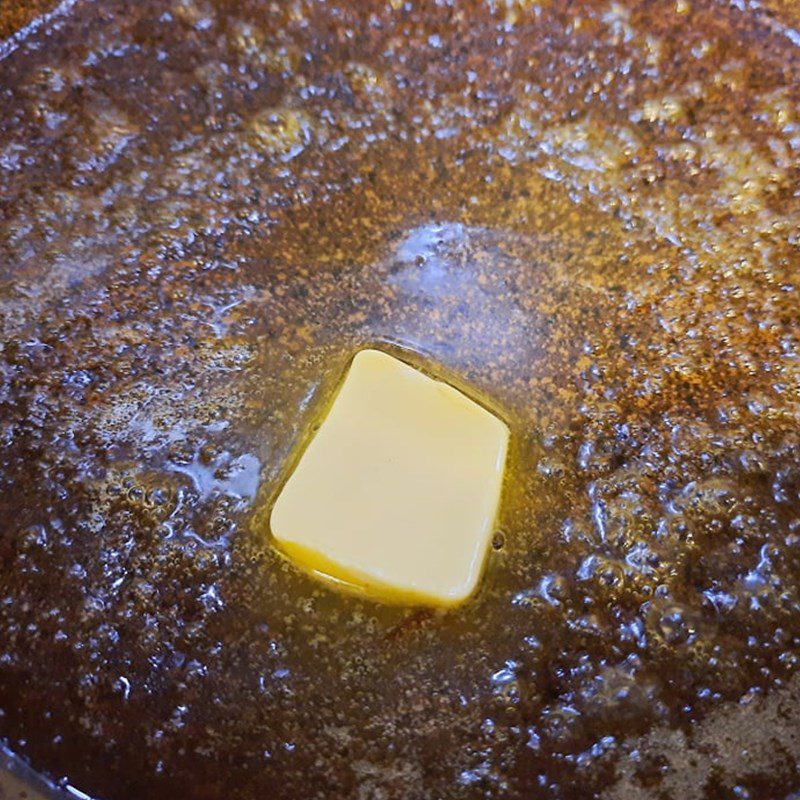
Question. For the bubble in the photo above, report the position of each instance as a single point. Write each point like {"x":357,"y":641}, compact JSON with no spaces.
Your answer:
{"x":281,"y":132}
{"x":672,"y":623}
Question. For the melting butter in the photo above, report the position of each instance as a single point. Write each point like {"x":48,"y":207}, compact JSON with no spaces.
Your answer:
{"x":397,"y":493}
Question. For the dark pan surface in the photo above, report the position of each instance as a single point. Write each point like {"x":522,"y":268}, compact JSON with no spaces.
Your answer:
{"x":589,"y":210}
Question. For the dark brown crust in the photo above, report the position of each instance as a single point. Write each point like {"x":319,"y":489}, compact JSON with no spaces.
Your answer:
{"x":587,"y":210}
{"x":16,"y":14}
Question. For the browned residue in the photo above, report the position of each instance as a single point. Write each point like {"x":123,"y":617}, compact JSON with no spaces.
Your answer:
{"x":588,"y":210}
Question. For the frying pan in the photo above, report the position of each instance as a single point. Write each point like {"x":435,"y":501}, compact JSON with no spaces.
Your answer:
{"x":588,"y":211}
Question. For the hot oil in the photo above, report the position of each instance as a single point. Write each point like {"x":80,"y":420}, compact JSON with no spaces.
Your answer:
{"x":590,"y":226}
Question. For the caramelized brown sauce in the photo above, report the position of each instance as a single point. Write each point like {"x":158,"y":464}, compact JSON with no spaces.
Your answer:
{"x":588,"y":210}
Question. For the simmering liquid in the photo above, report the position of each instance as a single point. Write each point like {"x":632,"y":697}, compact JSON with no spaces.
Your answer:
{"x":589,"y":211}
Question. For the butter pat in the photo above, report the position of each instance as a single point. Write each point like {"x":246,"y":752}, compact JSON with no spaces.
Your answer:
{"x":397,"y":493}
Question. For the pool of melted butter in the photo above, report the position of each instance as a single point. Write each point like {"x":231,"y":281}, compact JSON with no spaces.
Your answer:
{"x":588,"y":212}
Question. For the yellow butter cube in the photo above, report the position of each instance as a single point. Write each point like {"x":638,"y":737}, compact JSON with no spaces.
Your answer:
{"x":397,"y":493}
